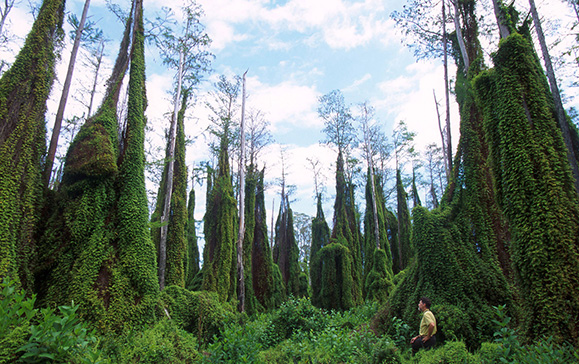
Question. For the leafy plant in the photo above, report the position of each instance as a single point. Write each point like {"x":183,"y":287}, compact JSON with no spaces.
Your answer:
{"x":401,"y":332}
{"x":61,"y":339}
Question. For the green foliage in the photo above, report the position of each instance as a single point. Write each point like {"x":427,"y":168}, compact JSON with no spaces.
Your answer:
{"x":379,"y":280}
{"x":320,"y":238}
{"x":161,"y":343}
{"x":176,"y":244}
{"x":192,"y":256}
{"x":384,"y":272}
{"x":385,"y":351}
{"x":267,"y":280}
{"x":286,"y":251}
{"x":453,"y":352}
{"x":335,"y":263}
{"x":219,"y":263}
{"x":60,"y":339}
{"x":24,"y":89}
{"x":96,"y":248}
{"x":534,"y":188}
{"x":16,"y":312}
{"x":405,"y":246}
{"x":237,"y":344}
{"x":401,"y":332}
{"x":199,"y":313}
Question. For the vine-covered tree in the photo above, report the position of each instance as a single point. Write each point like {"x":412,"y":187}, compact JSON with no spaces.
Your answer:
{"x":456,"y":245}
{"x":176,"y":241}
{"x":97,"y":248}
{"x":535,"y":189}
{"x":320,"y":239}
{"x":24,"y":89}
{"x":192,"y":258}
{"x":267,"y":280}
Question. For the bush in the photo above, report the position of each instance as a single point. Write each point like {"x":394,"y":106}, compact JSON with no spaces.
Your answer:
{"x":489,"y":353}
{"x":453,"y":352}
{"x":237,"y":344}
{"x":295,"y":315}
{"x":44,"y":337}
{"x":162,"y":343}
{"x":200,"y":313}
{"x":16,"y":312}
{"x":386,"y":352}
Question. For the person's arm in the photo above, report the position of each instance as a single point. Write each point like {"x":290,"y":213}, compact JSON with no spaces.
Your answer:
{"x":429,"y":334}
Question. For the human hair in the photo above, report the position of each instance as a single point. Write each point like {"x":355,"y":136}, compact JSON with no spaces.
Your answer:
{"x":426,"y":301}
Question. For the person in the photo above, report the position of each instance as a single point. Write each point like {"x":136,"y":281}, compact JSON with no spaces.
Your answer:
{"x":427,"y":331}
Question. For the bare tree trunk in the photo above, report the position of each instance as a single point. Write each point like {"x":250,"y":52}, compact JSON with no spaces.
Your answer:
{"x":240,"y":271}
{"x":169,"y":179}
{"x":8,"y":5}
{"x":63,"y":98}
{"x":444,"y":150}
{"x":99,"y":60}
{"x":501,"y":21}
{"x":448,"y":149}
{"x":559,"y":110}
{"x":459,"y":37}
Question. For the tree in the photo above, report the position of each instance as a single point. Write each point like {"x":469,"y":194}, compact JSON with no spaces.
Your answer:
{"x":97,"y":248}
{"x":285,"y":249}
{"x":241,"y":233}
{"x":185,"y":52}
{"x":433,"y":156}
{"x":320,"y":239}
{"x":535,"y":188}
{"x":64,"y":96}
{"x":4,"y":34}
{"x":192,"y":258}
{"x":24,"y":89}
{"x":572,"y":152}
{"x":174,"y":272}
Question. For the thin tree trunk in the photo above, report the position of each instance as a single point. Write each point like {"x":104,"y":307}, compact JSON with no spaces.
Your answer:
{"x":63,"y":98}
{"x":240,"y":270}
{"x":559,"y":110}
{"x":169,"y":179}
{"x":501,"y":21}
{"x":444,"y":151}
{"x":462,"y":46}
{"x":99,"y":60}
{"x":448,"y":148}
{"x":8,"y":4}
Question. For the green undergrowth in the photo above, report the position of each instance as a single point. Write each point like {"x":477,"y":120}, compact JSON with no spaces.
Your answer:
{"x":297,"y":332}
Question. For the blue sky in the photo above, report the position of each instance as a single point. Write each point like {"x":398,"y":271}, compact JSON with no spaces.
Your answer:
{"x":295,"y":51}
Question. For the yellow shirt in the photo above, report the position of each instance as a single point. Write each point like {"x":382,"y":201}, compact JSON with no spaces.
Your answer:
{"x":427,"y":318}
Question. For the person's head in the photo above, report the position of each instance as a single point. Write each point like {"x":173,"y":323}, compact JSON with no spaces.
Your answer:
{"x":424,"y":303}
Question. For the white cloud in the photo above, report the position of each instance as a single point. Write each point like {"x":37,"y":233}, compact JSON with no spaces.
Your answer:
{"x":286,"y":102}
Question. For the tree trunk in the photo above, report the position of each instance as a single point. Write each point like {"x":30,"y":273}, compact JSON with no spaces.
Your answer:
{"x":240,"y":270}
{"x":499,"y":14}
{"x":559,"y":110}
{"x":444,"y":150}
{"x":447,"y":148}
{"x":63,"y":98}
{"x":456,"y":19}
{"x":169,"y":179}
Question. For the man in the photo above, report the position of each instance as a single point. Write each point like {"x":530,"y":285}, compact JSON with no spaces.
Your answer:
{"x":427,"y":330}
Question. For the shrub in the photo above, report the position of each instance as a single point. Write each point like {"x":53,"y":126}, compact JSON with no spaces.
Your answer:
{"x":200,"y":313}
{"x":162,"y":343}
{"x":237,"y":344}
{"x":453,"y":352}
{"x":61,"y":339}
{"x":385,"y":351}
{"x":16,"y":312}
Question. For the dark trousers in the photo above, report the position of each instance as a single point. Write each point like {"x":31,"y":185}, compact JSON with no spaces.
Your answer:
{"x":419,"y":344}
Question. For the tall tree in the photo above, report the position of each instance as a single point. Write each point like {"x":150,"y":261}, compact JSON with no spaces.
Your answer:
{"x":64,"y":97}
{"x":241,"y":232}
{"x":192,"y":259}
{"x":535,"y":189}
{"x":174,"y":272}
{"x":97,"y":248}
{"x":183,"y":50}
{"x":24,"y":89}
{"x":267,"y":280}
{"x":320,"y":239}
{"x":572,"y":151}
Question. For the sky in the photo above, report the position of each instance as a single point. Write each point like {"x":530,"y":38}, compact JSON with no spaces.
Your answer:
{"x":294,"y":51}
